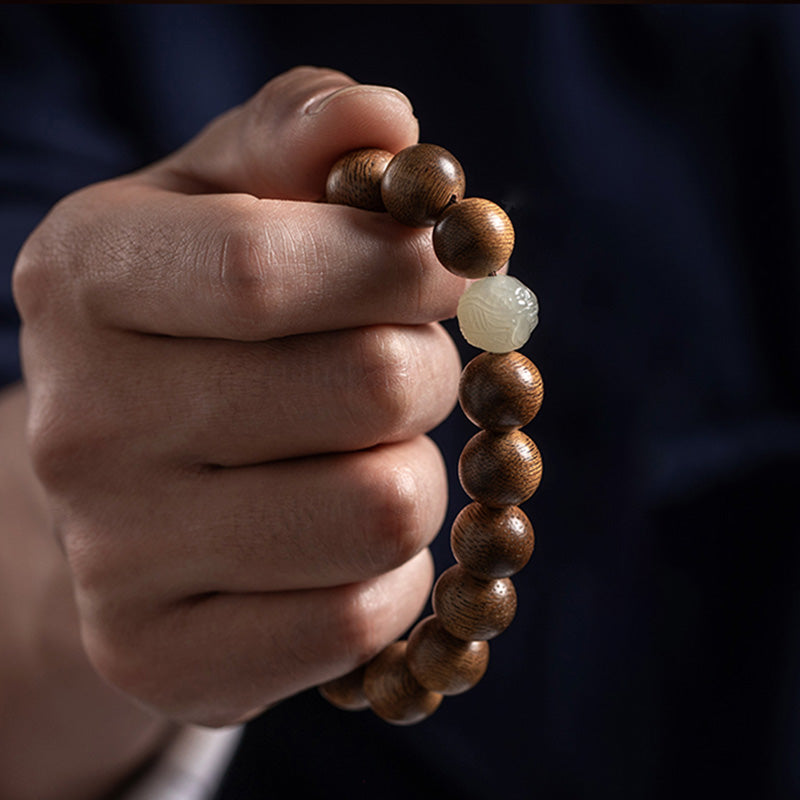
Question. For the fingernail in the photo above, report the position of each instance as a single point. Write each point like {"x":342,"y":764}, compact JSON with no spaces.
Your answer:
{"x":322,"y":103}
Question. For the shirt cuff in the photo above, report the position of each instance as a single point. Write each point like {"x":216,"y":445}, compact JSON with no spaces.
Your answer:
{"x":191,"y":767}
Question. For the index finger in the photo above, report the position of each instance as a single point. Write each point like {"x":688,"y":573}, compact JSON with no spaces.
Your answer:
{"x":237,"y":267}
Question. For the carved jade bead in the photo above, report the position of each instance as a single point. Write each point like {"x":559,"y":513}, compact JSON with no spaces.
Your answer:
{"x":498,"y":313}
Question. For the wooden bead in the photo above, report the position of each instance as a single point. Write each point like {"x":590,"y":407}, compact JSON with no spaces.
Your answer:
{"x":442,"y":663}
{"x":500,"y":391}
{"x":355,"y":179}
{"x":393,"y":692}
{"x":470,"y":608}
{"x":346,"y":692}
{"x":500,"y":469}
{"x":492,"y":542}
{"x":420,"y":182}
{"x":473,"y":238}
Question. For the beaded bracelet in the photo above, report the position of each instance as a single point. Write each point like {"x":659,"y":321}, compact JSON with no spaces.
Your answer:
{"x":500,"y":467}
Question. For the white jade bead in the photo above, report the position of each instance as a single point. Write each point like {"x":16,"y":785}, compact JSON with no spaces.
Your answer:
{"x":498,"y":313}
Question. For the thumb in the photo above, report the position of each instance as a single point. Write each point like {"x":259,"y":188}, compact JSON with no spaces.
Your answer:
{"x":283,"y":141}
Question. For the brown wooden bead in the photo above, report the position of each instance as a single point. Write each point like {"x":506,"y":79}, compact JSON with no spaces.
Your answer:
{"x":492,"y":542}
{"x":500,"y":469}
{"x":473,"y":238}
{"x":355,"y":179}
{"x":393,"y":692}
{"x":470,"y":608}
{"x":442,"y":663}
{"x":420,"y":182}
{"x":346,"y":692}
{"x":501,"y":391}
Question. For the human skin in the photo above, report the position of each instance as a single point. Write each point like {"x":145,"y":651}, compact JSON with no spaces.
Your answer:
{"x":227,"y":387}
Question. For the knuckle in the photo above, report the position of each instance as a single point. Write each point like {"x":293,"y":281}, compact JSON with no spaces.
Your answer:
{"x":394,"y":527}
{"x":62,"y":447}
{"x":29,"y":283}
{"x":35,"y":277}
{"x":144,"y":658}
{"x":130,"y":658}
{"x":96,"y":571}
{"x":359,"y":637}
{"x":246,"y":273}
{"x":387,"y":382}
{"x":111,"y":578}
{"x":121,"y":656}
{"x":241,"y":275}
{"x":53,"y":446}
{"x":131,"y":655}
{"x":52,"y":262}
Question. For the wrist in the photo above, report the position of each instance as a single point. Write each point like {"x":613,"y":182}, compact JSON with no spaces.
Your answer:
{"x":63,"y":732}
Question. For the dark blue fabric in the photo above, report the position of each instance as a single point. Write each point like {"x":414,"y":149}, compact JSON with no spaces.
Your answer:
{"x":649,"y":160}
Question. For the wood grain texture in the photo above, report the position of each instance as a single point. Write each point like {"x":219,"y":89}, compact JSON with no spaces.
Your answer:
{"x":500,"y":469}
{"x":500,"y":391}
{"x":473,"y":238}
{"x":420,"y":182}
{"x":492,"y":542}
{"x":470,"y":608}
{"x":442,"y":663}
{"x":355,"y":179}
{"x":346,"y":692}
{"x":393,"y":692}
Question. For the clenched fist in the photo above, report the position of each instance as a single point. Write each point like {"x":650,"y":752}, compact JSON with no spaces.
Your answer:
{"x":229,"y":385}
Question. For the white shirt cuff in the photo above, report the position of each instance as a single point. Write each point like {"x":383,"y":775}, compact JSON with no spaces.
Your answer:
{"x":192,"y":766}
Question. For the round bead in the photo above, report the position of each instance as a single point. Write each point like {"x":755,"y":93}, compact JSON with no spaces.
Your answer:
{"x":346,"y":692}
{"x":491,"y":542}
{"x":500,"y":469}
{"x":420,"y":182}
{"x":442,"y":663}
{"x":500,"y":391}
{"x":355,"y":179}
{"x":473,"y":238}
{"x":393,"y":692}
{"x":470,"y":608}
{"x":498,"y":313}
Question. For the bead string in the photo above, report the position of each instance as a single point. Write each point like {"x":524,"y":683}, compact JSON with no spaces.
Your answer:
{"x":500,"y":391}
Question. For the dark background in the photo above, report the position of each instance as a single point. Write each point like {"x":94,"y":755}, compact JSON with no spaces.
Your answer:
{"x":648,"y":158}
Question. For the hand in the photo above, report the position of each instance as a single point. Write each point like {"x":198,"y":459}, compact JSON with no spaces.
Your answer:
{"x":64,"y":733}
{"x":229,"y":385}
